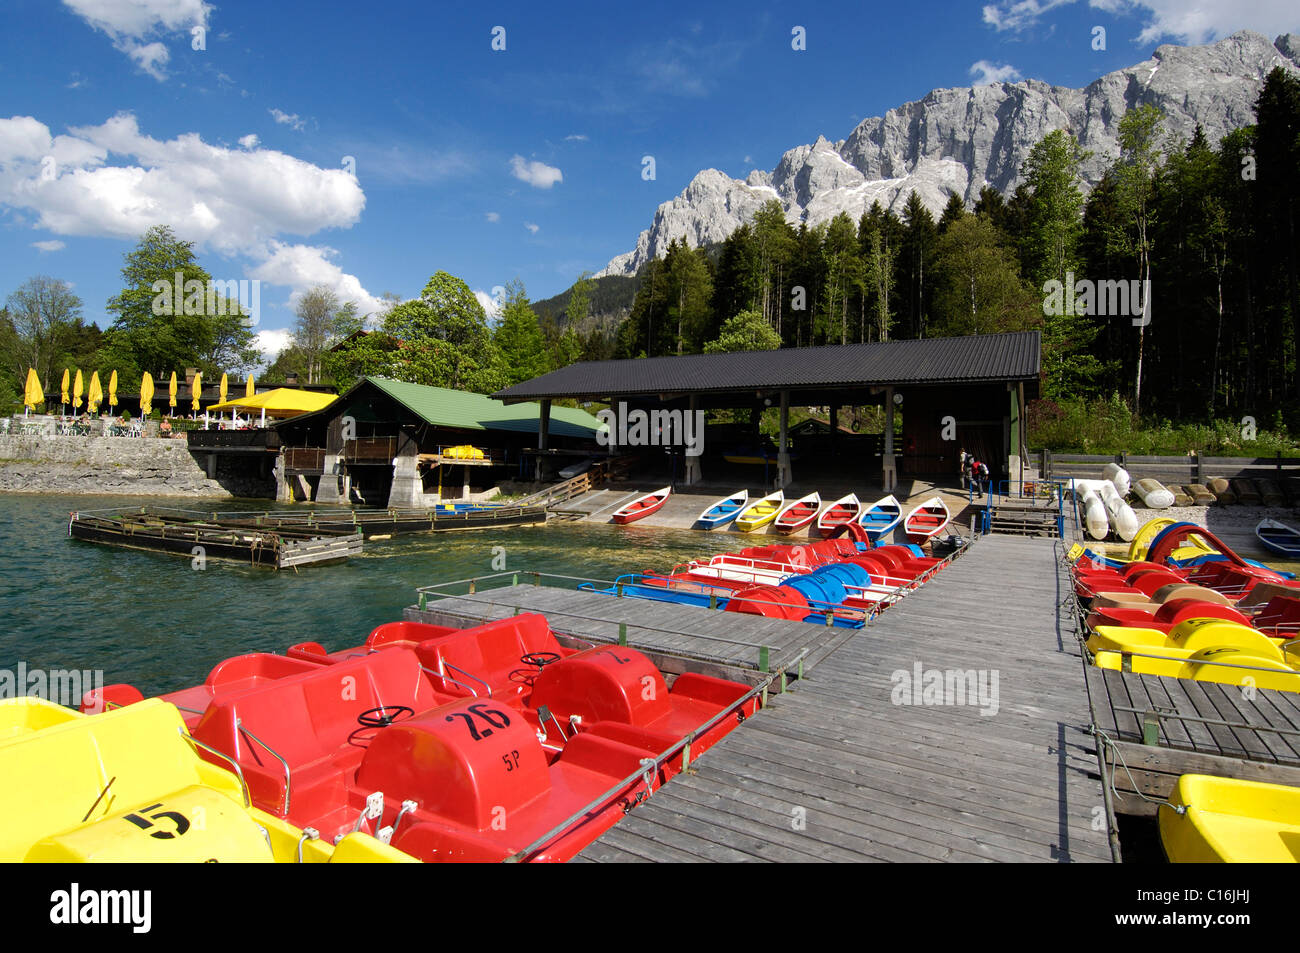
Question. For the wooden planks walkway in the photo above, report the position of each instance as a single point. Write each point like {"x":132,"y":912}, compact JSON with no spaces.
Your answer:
{"x":729,"y":638}
{"x":836,"y":771}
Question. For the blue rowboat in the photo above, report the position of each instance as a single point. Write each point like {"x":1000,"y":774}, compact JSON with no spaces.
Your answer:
{"x":724,"y":511}
{"x":881,"y":517}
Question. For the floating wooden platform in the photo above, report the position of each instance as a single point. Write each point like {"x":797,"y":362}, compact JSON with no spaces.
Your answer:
{"x":147,"y":530}
{"x":389,"y":522}
{"x":834,"y":770}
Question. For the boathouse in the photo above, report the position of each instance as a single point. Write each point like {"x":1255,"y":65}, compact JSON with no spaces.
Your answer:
{"x":952,"y":393}
{"x":389,"y":443}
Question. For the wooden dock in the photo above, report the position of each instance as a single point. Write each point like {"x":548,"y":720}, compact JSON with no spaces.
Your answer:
{"x":834,"y":770}
{"x":281,"y":548}
{"x":727,"y":639}
{"x":1161,"y":727}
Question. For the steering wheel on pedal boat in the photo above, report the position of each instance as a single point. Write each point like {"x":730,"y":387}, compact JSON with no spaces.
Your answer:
{"x":368,"y":718}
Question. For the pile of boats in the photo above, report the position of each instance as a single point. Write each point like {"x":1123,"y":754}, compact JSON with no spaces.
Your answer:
{"x":787,"y":517}
{"x":1184,"y":605}
{"x":1187,"y":606}
{"x":424,"y":743}
{"x":837,"y":582}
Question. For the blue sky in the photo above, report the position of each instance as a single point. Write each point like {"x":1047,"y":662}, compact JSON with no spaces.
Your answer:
{"x":489,"y":164}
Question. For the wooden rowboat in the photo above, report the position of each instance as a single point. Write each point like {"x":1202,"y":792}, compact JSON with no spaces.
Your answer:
{"x":799,"y":514}
{"x":881,"y":517}
{"x":840,"y":513}
{"x":1279,"y":538}
{"x":724,"y":511}
{"x":761,"y":513}
{"x":926,"y":520}
{"x":643,"y":506}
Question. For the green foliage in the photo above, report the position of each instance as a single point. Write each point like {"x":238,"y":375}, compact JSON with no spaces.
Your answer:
{"x":445,"y":339}
{"x":374,"y":355}
{"x":747,"y":331}
{"x":980,"y":291}
{"x":518,"y":337}
{"x":161,"y":326}
{"x":1101,"y":426}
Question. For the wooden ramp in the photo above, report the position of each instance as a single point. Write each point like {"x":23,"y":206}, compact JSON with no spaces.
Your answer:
{"x":836,"y":771}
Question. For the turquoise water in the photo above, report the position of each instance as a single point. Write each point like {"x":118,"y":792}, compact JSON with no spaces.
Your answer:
{"x":153,"y":621}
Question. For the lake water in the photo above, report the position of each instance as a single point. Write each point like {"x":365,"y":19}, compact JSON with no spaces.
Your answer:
{"x":154,"y":621}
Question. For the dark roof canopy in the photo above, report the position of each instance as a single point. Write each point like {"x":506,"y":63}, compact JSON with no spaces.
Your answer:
{"x":977,"y":358}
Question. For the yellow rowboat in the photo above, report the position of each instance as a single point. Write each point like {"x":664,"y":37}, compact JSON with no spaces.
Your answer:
{"x":1224,"y":820}
{"x":129,"y":786}
{"x":1207,"y":650}
{"x":761,"y":513}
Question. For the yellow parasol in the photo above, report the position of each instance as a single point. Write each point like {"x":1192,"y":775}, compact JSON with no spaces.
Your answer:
{"x":171,"y":391}
{"x":112,"y":390}
{"x":225,"y":385}
{"x":95,"y":396}
{"x":196,"y":389}
{"x":65,"y":385}
{"x":146,"y":394}
{"x":32,"y":392}
{"x":78,"y":387}
{"x":250,"y":388}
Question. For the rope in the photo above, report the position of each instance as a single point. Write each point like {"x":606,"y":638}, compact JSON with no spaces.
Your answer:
{"x":1106,"y":740}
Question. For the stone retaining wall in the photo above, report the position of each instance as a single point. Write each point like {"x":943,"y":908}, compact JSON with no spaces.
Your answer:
{"x":138,"y":466}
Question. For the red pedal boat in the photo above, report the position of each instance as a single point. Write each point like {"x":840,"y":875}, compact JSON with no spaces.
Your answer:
{"x":643,"y":506}
{"x":481,"y":744}
{"x":798,"y":514}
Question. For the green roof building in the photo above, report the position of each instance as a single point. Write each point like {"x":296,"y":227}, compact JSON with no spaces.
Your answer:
{"x":387,"y":442}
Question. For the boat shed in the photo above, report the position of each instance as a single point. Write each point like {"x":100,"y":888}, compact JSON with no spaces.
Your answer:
{"x":953,"y":393}
{"x":391,"y":443}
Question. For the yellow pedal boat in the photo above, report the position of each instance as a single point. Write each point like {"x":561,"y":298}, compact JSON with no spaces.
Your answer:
{"x":1209,"y":650}
{"x":128,"y":786}
{"x":1225,"y":820}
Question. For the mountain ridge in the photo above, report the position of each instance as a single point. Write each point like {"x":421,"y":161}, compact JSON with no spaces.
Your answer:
{"x":959,"y":139}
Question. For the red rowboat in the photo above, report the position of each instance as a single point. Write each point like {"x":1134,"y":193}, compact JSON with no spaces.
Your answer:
{"x":926,"y":520}
{"x":840,"y":513}
{"x":798,"y":514}
{"x":643,"y":506}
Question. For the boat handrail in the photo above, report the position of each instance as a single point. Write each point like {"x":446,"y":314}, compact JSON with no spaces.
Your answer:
{"x":457,"y":668}
{"x":239,"y":772}
{"x":239,"y":727}
{"x":650,"y":765}
{"x":1128,"y":653}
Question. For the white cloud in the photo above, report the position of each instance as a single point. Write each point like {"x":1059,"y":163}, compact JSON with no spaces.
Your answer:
{"x":1200,"y":22}
{"x":576,"y":137}
{"x":1018,"y":14}
{"x":985,"y":73}
{"x":1206,"y":20}
{"x":537,"y":174}
{"x":234,"y":200}
{"x":271,"y":343}
{"x":300,"y":267}
{"x":531,"y":227}
{"x":292,"y":120}
{"x":493,"y":216}
{"x":129,"y":23}
{"x":488,"y":303}
{"x":249,"y":141}
{"x":52,"y":245}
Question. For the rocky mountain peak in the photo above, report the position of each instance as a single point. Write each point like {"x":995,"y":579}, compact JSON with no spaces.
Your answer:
{"x":956,"y":141}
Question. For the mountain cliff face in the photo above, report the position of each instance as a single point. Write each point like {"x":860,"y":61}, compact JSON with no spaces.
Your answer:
{"x":959,"y":140}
